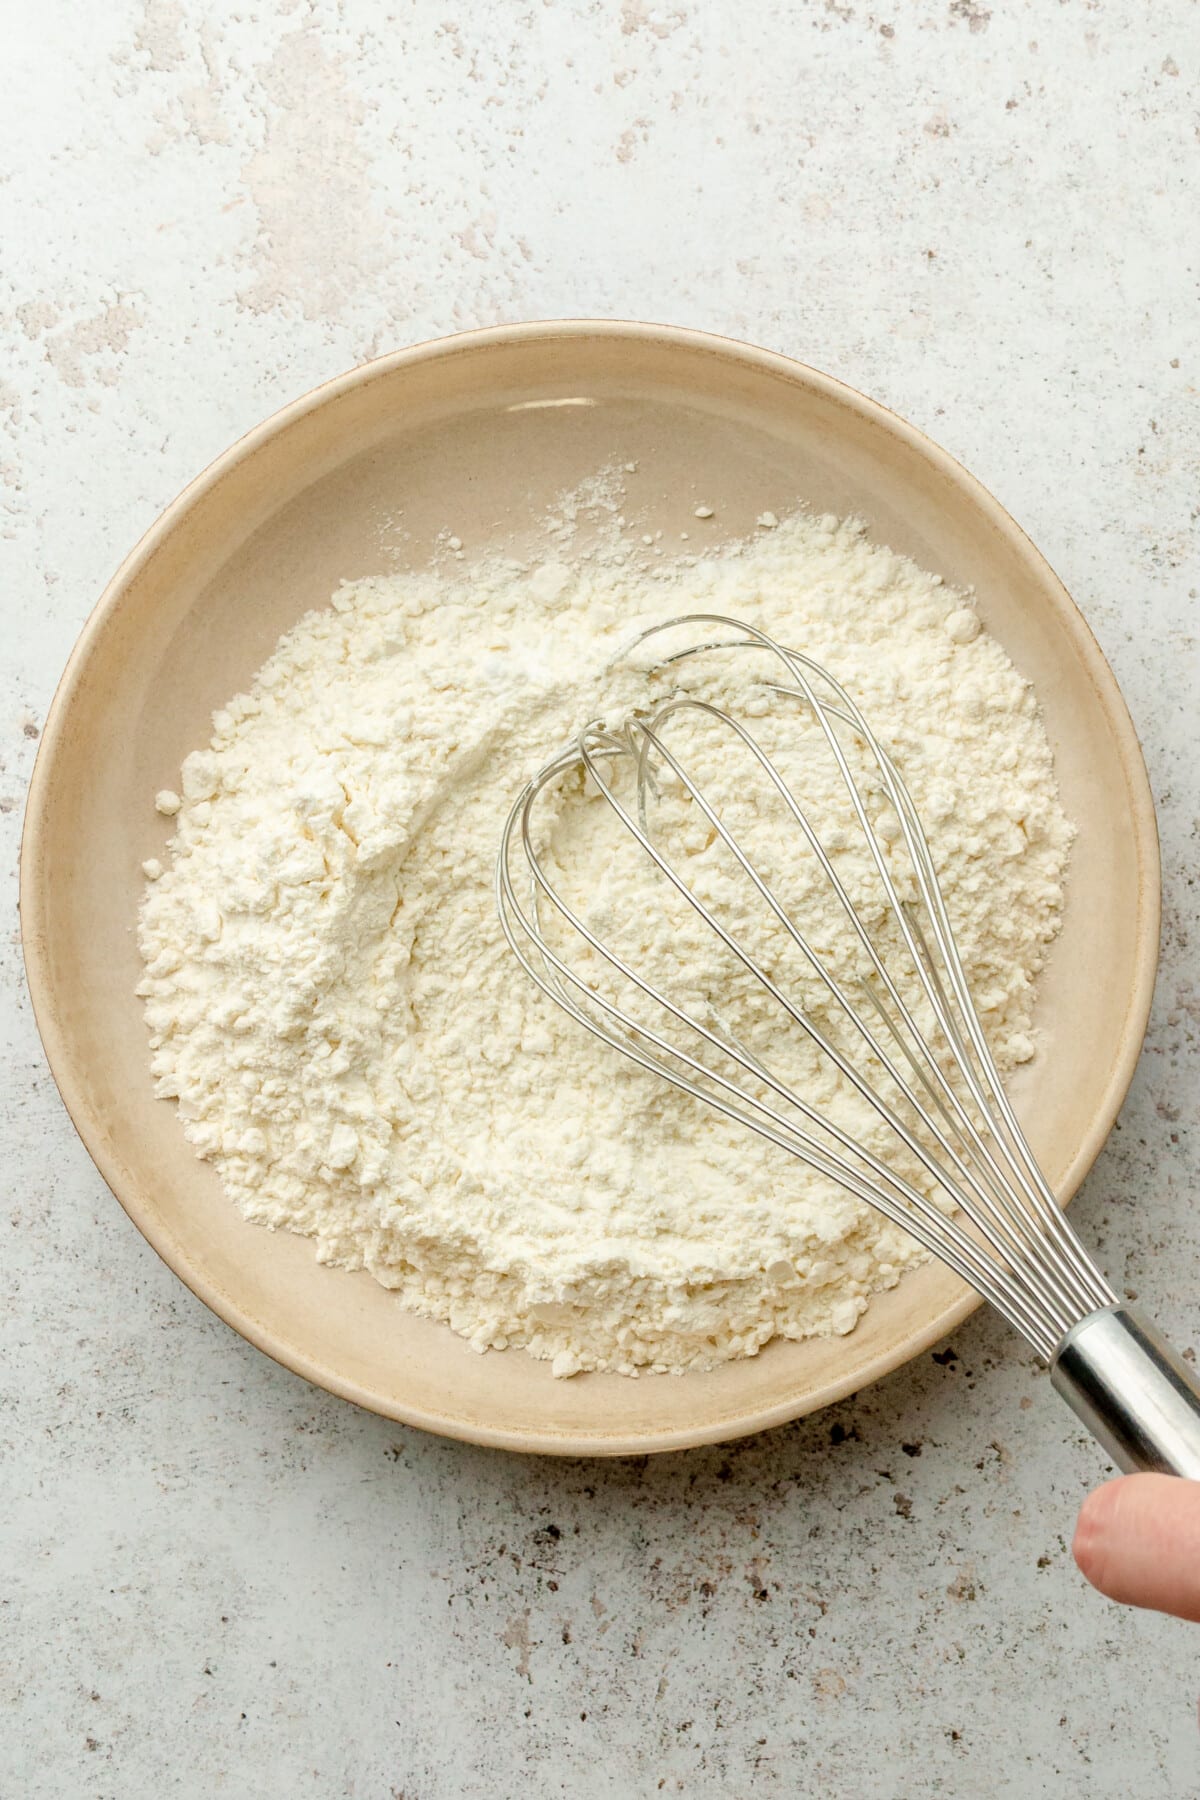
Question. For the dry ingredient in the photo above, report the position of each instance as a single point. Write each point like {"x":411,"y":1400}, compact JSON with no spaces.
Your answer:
{"x":350,"y":1043}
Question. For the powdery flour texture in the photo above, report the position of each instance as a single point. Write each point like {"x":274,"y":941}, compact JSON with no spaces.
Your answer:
{"x":351,"y":1044}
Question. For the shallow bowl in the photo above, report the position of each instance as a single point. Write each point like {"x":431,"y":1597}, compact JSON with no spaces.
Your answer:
{"x":475,"y":435}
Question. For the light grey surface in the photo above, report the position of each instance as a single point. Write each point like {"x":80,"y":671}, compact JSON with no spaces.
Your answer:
{"x":223,"y":1582}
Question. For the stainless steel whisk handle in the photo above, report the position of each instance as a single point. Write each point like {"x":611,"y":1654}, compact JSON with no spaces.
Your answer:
{"x":1138,"y":1399}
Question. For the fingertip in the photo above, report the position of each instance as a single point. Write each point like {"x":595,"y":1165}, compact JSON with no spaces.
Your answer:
{"x":1091,"y":1543}
{"x":1138,"y":1540}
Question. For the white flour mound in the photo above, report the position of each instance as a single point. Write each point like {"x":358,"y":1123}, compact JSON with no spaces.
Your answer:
{"x":352,"y":1045}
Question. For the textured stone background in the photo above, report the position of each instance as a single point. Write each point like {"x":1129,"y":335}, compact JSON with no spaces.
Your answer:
{"x":223,"y":1582}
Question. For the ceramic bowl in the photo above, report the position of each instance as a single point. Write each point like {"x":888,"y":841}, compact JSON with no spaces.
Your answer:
{"x":476,"y":435}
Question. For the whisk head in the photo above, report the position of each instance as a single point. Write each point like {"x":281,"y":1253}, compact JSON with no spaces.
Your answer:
{"x":766,"y":936}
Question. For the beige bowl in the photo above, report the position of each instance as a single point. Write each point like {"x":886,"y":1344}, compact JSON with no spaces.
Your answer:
{"x":476,"y":435}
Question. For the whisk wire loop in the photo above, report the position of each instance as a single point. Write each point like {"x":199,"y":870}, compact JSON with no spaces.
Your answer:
{"x":1012,"y":1243}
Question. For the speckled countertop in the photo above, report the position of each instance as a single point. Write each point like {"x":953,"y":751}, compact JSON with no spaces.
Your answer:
{"x":220,"y":1581}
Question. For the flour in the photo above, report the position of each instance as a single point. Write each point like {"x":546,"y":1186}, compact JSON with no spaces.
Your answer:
{"x":352,"y":1046}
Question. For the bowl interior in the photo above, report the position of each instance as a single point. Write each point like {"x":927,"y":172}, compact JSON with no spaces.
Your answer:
{"x":477,"y":438}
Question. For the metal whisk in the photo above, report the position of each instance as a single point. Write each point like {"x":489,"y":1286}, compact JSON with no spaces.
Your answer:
{"x":902,"y":1029}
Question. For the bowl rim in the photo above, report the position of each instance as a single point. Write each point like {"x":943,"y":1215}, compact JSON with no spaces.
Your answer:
{"x":56,"y":1039}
